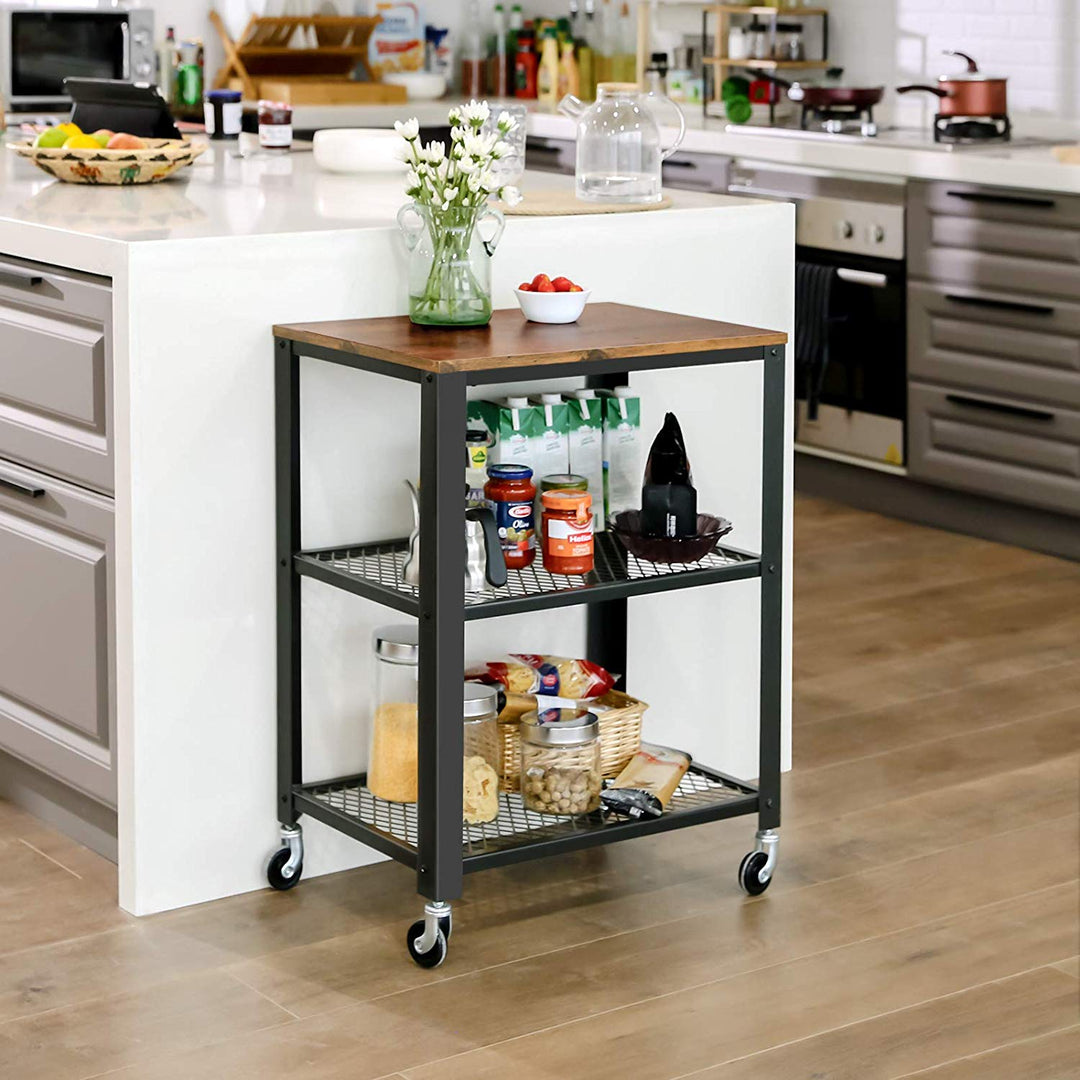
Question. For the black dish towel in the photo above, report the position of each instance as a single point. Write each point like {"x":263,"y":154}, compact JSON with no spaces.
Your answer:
{"x":813,"y":306}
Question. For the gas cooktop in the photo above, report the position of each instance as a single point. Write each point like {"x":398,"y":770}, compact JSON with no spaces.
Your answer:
{"x":905,"y":138}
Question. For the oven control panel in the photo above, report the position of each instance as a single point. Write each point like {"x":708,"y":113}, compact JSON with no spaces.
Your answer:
{"x":848,"y":225}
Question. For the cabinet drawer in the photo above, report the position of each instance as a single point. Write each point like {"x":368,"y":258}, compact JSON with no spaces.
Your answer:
{"x":995,"y":445}
{"x":980,"y":203}
{"x":56,"y":378}
{"x":56,"y":664}
{"x":1003,"y":343}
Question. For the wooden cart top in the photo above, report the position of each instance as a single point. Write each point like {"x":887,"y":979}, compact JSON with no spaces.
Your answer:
{"x":605,"y":331}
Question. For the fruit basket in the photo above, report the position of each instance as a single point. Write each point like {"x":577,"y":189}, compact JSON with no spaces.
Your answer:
{"x":159,"y":159}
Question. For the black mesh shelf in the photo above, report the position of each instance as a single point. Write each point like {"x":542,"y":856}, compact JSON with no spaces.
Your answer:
{"x":517,"y":833}
{"x":375,"y":571}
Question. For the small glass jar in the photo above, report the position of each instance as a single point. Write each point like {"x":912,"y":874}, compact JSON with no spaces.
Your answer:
{"x":275,"y":125}
{"x":511,"y":492}
{"x":568,"y":532}
{"x":757,"y":36}
{"x":392,"y":753}
{"x":560,"y":761}
{"x":563,"y":482}
{"x":480,"y":776}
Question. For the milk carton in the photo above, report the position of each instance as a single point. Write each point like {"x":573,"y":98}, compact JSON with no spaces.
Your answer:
{"x":515,"y":427}
{"x":587,"y":446}
{"x":552,"y":453}
{"x":622,"y":451}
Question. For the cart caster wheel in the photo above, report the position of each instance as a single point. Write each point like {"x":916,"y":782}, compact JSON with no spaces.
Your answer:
{"x":749,"y":869}
{"x":436,"y":954}
{"x":278,"y":880}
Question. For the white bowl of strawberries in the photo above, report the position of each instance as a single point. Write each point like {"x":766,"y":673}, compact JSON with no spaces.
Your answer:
{"x":551,"y":300}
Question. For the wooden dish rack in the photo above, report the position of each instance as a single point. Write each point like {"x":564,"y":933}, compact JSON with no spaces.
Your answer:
{"x":302,"y":59}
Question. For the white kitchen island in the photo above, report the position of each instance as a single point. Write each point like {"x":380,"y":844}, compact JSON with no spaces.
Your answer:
{"x":201,"y":268}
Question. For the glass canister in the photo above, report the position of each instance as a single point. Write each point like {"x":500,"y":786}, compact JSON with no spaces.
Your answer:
{"x":480,"y":777}
{"x":619,"y":148}
{"x":560,"y":761}
{"x":392,"y":754}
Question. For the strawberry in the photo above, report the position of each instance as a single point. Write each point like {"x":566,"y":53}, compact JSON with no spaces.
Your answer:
{"x":541,"y":279}
{"x":525,"y":286}
{"x":545,"y":286}
{"x":562,"y":284}
{"x":576,"y":288}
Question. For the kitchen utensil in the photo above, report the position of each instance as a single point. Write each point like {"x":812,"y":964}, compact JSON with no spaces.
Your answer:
{"x":419,"y":85}
{"x":970,"y":93}
{"x":556,"y":307}
{"x":826,"y":96}
{"x":666,"y":549}
{"x":485,"y":564}
{"x":619,"y":151}
{"x":358,"y":150}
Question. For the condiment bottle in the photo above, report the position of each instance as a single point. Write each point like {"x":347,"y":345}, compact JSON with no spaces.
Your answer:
{"x":525,"y":64}
{"x":392,"y":752}
{"x":568,"y":532}
{"x":547,"y":76}
{"x":510,"y":491}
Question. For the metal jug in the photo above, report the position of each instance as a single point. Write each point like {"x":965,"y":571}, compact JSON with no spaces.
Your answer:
{"x":485,"y":564}
{"x":619,"y":151}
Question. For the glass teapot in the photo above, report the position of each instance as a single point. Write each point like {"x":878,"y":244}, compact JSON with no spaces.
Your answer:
{"x":619,"y":154}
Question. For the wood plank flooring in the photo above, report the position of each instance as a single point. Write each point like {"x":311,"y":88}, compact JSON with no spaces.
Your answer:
{"x":924,"y":921}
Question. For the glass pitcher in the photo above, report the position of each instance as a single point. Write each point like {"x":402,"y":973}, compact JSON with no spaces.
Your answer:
{"x":619,"y":153}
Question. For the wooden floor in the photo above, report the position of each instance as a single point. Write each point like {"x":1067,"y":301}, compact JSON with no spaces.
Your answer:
{"x":923,"y":922}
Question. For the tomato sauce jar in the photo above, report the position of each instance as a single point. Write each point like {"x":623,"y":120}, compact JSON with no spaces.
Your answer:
{"x":510,"y":491}
{"x":568,"y":532}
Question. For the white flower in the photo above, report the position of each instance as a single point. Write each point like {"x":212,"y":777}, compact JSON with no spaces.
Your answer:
{"x":403,"y":152}
{"x":488,"y":182}
{"x":501,"y":150}
{"x":408,"y":130}
{"x":476,"y":144}
{"x":476,"y":113}
{"x":454,"y":116}
{"x":474,"y":184}
{"x":435,"y":152}
{"x":467,"y":166}
{"x":457,"y":134}
{"x":510,"y":195}
{"x":443,"y":170}
{"x":412,"y":181}
{"x":450,"y":194}
{"x":506,"y":123}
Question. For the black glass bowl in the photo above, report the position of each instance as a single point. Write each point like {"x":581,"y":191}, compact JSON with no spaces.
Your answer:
{"x":663,"y":549}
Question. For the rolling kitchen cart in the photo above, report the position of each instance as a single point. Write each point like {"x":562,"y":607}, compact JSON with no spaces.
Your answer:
{"x":609,"y":343}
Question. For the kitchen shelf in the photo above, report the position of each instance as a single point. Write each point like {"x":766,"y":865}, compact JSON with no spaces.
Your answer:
{"x":518,"y":833}
{"x":375,"y":572}
{"x":609,"y":342}
{"x":765,"y":65}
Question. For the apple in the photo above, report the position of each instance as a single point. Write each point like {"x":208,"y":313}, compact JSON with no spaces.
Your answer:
{"x":103,"y":135}
{"x":51,"y":138}
{"x":123,"y":141}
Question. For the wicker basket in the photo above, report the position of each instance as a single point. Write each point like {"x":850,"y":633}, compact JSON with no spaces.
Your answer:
{"x":620,"y":734}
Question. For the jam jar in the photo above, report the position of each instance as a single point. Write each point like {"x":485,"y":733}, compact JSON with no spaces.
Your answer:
{"x":510,"y":491}
{"x":568,"y":531}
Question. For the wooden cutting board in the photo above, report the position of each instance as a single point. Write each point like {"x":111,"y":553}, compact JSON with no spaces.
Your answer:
{"x":1068,"y":155}
{"x":563,"y":204}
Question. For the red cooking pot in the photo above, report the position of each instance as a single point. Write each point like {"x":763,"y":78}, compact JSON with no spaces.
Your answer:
{"x":969,"y":94}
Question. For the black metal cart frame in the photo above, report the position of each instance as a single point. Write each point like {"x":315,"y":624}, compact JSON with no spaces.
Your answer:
{"x":429,"y":836}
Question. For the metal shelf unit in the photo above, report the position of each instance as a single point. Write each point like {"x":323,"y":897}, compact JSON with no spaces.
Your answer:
{"x":429,"y":836}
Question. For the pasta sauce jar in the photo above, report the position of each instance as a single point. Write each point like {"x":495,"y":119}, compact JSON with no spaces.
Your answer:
{"x":510,"y":491}
{"x":568,"y":532}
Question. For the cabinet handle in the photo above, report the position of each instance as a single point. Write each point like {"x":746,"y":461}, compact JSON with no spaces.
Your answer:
{"x":863,"y":277}
{"x":23,"y":277}
{"x":1031,"y":201}
{"x":1001,"y":305}
{"x":679,"y":163}
{"x":999,"y":407}
{"x":20,"y":487}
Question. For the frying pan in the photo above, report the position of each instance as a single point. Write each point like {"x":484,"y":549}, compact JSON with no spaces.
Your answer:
{"x":826,"y":97}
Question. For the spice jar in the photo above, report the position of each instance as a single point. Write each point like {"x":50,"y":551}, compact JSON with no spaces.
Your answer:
{"x":392,"y":754}
{"x":275,"y":125}
{"x":510,"y":491}
{"x":568,"y":532}
{"x":560,"y":761}
{"x":480,"y":776}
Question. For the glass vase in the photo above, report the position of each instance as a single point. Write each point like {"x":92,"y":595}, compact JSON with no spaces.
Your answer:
{"x":450,"y":262}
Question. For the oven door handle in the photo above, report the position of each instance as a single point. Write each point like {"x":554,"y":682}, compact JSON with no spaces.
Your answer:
{"x":125,"y":45}
{"x":863,"y":277}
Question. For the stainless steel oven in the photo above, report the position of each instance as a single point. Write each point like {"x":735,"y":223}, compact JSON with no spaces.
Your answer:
{"x":850,"y":308}
{"x":42,"y":46}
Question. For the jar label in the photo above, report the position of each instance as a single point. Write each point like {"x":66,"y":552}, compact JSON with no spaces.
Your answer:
{"x":516,"y":526}
{"x":568,"y":539}
{"x":275,"y":135}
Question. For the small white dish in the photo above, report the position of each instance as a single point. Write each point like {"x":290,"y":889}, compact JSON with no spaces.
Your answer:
{"x":358,"y":150}
{"x":419,"y":85}
{"x":552,"y":307}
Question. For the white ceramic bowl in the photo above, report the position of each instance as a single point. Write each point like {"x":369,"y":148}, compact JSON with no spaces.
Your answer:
{"x":358,"y":150}
{"x":552,"y":307}
{"x":419,"y":85}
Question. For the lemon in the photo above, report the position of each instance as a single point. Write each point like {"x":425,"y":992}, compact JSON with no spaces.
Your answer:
{"x":69,"y":129}
{"x":82,"y":142}
{"x":51,"y":138}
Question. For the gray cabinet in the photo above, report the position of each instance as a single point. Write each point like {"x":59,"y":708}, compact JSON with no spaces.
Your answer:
{"x":56,"y":664}
{"x":994,"y":342}
{"x":57,"y":670}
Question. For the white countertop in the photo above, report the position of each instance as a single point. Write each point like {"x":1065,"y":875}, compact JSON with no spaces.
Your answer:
{"x":1034,"y":168}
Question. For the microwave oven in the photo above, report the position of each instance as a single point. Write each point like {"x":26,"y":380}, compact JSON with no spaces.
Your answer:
{"x":42,"y":46}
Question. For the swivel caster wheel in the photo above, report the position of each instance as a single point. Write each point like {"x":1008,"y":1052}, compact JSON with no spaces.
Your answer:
{"x":428,"y":938}
{"x":756,"y":869}
{"x":287,"y":863}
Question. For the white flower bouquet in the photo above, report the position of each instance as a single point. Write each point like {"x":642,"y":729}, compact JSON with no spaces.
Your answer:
{"x":451,"y":189}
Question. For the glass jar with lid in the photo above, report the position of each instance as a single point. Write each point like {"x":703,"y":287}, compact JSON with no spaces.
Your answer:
{"x":392,"y":753}
{"x":560,"y":761}
{"x":480,"y":776}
